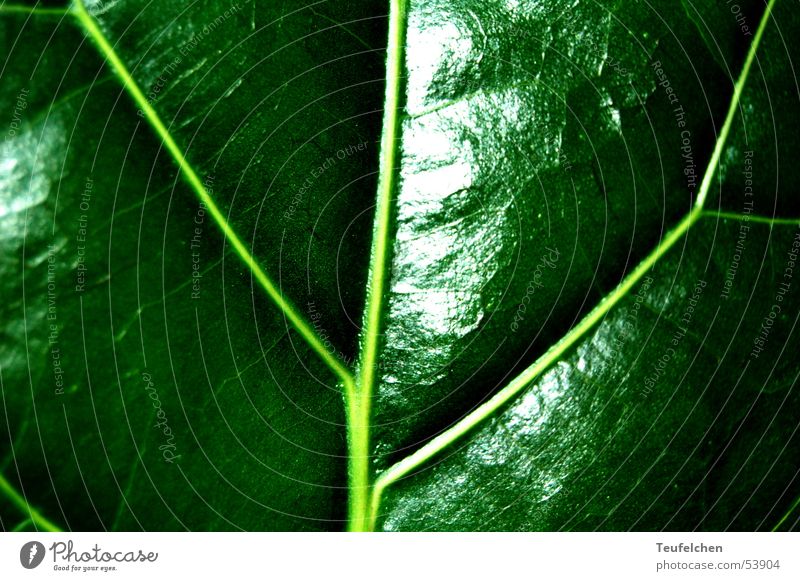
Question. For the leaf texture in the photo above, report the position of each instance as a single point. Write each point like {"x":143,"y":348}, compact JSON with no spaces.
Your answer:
{"x":193,"y":283}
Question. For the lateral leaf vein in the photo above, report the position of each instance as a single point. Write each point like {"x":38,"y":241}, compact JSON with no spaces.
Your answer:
{"x":290,"y":312}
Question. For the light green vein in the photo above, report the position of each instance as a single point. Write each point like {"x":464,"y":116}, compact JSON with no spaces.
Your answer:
{"x":22,"y":525}
{"x":39,"y":521}
{"x":290,"y":312}
{"x":755,"y":218}
{"x":792,"y":508}
{"x":414,"y":461}
{"x":33,"y":10}
{"x":737,"y":96}
{"x":359,"y":407}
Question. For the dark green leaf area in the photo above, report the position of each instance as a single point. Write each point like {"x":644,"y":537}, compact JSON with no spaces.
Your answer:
{"x":141,"y":382}
{"x":679,"y":412}
{"x":278,"y":107}
{"x":542,"y":156}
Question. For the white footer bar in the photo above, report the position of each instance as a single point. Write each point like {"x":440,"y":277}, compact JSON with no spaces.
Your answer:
{"x":416,"y":556}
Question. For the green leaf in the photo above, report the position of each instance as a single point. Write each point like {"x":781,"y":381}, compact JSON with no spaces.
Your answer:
{"x":614,"y":427}
{"x":254,"y":414}
{"x":539,"y":331}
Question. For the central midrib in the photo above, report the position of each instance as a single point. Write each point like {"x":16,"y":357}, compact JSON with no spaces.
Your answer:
{"x":359,"y":408}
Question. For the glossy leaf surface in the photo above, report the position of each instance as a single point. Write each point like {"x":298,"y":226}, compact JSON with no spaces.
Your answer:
{"x":658,"y":418}
{"x":155,"y":377}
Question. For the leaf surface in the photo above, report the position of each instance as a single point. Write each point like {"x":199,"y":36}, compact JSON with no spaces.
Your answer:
{"x":664,"y":416}
{"x":193,"y":268}
{"x":541,"y":161}
{"x":166,"y":314}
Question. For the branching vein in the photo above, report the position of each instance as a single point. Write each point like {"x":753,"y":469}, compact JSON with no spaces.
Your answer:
{"x":290,"y":312}
{"x":38,"y":520}
{"x":771,"y":220}
{"x":33,"y":10}
{"x":792,"y":508}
